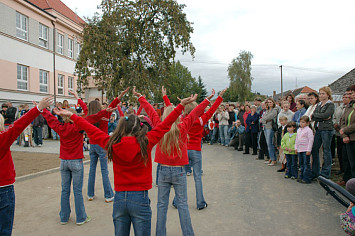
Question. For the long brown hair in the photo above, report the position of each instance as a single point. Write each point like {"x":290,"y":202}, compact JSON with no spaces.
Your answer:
{"x":129,"y":126}
{"x":171,"y":140}
{"x":2,"y":120}
{"x":94,"y":107}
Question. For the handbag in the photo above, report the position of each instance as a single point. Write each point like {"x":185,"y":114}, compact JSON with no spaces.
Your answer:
{"x":274,"y":125}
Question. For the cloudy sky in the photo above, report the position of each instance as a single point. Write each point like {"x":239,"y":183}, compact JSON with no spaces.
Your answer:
{"x":313,"y":40}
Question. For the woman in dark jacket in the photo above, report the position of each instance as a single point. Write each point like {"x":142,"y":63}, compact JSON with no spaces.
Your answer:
{"x":251,"y":130}
{"x":241,"y":113}
{"x":323,"y":118}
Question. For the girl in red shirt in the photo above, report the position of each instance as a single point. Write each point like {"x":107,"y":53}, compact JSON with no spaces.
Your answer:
{"x":7,"y":169}
{"x":129,"y":148}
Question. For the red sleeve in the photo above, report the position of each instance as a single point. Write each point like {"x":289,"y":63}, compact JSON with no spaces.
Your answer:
{"x":114,"y":103}
{"x":95,"y":134}
{"x":152,"y":114}
{"x":205,"y":117}
{"x":140,"y":108}
{"x":53,"y":122}
{"x":166,"y":101}
{"x":120,"y":111}
{"x":9,"y":135}
{"x":159,"y":131}
{"x":92,"y":119}
{"x":83,"y":106}
{"x":194,"y":114}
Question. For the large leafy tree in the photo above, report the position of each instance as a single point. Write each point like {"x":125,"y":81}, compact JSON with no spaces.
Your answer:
{"x":239,"y":72}
{"x":133,"y":43}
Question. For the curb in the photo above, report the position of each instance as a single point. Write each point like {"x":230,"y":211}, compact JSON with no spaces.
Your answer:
{"x":44,"y":172}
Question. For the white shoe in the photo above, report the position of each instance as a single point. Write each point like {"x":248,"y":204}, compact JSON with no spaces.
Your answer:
{"x":188,"y":173}
{"x":109,"y":199}
{"x":88,"y":218}
{"x":90,"y":198}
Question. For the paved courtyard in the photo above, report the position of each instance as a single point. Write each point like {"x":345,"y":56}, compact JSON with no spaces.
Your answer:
{"x":245,"y":197}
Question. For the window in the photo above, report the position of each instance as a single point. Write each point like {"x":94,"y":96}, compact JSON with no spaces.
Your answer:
{"x":78,"y":49}
{"x":61,"y":84}
{"x":21,"y":26}
{"x":43,"y":81}
{"x":43,"y":35}
{"x":70,"y":48}
{"x":71,"y":83}
{"x":22,"y":75}
{"x":60,"y":43}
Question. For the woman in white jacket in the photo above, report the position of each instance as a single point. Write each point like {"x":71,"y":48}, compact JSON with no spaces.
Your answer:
{"x":223,"y":117}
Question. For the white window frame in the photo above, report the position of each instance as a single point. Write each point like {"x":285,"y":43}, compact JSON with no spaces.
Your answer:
{"x":71,"y":83}
{"x":43,"y":36}
{"x":21,"y":26}
{"x":43,"y":81}
{"x":70,"y":48}
{"x":78,"y":49}
{"x":22,"y":77}
{"x":60,"y":43}
{"x":60,"y":84}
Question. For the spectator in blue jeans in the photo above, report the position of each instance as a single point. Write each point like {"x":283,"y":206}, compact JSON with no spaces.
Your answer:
{"x":323,"y":117}
{"x":268,"y":118}
{"x":38,"y":123}
{"x":223,"y":117}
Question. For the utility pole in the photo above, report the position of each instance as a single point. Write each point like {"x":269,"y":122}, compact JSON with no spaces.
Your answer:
{"x":282,"y":90}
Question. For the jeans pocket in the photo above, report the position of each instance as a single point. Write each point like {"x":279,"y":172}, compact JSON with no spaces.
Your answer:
{"x":77,"y":165}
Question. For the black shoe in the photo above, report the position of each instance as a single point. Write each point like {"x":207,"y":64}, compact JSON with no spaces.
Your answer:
{"x":201,"y":208}
{"x":281,"y":170}
{"x":254,"y":154}
{"x":246,"y":153}
{"x":240,"y":149}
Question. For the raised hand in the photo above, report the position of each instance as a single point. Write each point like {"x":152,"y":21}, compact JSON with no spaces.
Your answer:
{"x":62,"y":112}
{"x":135,"y":93}
{"x":163,"y":90}
{"x":123,"y":93}
{"x":73,"y":93}
{"x":110,"y":109}
{"x":212,"y":95}
{"x":222,"y":92}
{"x":45,"y":102}
{"x":188,"y":100}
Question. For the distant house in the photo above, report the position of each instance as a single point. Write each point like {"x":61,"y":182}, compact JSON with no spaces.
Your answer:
{"x":297,"y":92}
{"x":339,"y":86}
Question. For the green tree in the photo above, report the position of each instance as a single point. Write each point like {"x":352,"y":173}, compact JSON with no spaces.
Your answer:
{"x":133,"y":43}
{"x":181,"y":83}
{"x":239,"y":72}
{"x":202,"y":94}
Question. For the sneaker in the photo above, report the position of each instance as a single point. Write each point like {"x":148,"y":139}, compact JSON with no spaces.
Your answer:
{"x":64,"y":223}
{"x":107,"y":200}
{"x":90,"y":198}
{"x":267,"y":162}
{"x":286,"y":176}
{"x":201,"y":208}
{"x":188,"y":173}
{"x":292,"y":177}
{"x":88,"y":218}
{"x":39,"y":145}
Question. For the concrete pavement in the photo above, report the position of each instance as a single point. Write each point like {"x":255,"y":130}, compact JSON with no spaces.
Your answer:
{"x":244,"y":196}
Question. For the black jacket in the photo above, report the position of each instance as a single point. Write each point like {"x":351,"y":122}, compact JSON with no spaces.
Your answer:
{"x":10,"y":115}
{"x":323,"y":116}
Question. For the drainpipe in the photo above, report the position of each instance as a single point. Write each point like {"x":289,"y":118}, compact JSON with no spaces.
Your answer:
{"x":54,"y":47}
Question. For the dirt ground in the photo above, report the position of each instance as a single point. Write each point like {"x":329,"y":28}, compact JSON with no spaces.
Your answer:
{"x":29,"y":162}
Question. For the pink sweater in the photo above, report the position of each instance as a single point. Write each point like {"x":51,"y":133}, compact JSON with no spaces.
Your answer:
{"x":304,"y":140}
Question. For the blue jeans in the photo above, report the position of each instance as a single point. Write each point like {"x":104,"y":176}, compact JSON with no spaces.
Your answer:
{"x":96,"y":152}
{"x":325,"y":137}
{"x":132,"y":207}
{"x":305,"y":166}
{"x":269,"y":135}
{"x":195,"y":159}
{"x":7,"y":210}
{"x":54,"y":135}
{"x":72,"y":169}
{"x":223,"y":134}
{"x":291,"y":170}
{"x":176,"y":177}
{"x":214,"y":136}
{"x":157,"y":174}
{"x":37,"y":133}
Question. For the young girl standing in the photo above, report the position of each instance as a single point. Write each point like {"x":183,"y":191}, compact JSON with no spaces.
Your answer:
{"x":129,"y":148}
{"x":288,"y":146}
{"x":303,"y":146}
{"x":7,"y":168}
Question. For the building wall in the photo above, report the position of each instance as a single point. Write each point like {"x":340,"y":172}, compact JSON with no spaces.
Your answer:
{"x":14,"y":51}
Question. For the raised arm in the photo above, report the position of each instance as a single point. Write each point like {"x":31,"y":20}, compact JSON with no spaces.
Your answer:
{"x":152,"y":114}
{"x":92,"y":119}
{"x":83,"y":106}
{"x":140,"y":108}
{"x":206,"y":116}
{"x":165,"y":98}
{"x":53,"y":122}
{"x":120,"y":112}
{"x":195,"y":113}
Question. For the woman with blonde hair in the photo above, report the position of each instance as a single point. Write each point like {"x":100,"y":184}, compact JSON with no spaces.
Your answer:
{"x":323,"y":118}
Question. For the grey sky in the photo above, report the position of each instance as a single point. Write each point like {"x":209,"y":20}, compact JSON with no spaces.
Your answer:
{"x":313,"y":40}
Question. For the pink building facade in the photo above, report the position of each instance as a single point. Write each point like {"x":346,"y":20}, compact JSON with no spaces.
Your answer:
{"x":39,"y":46}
